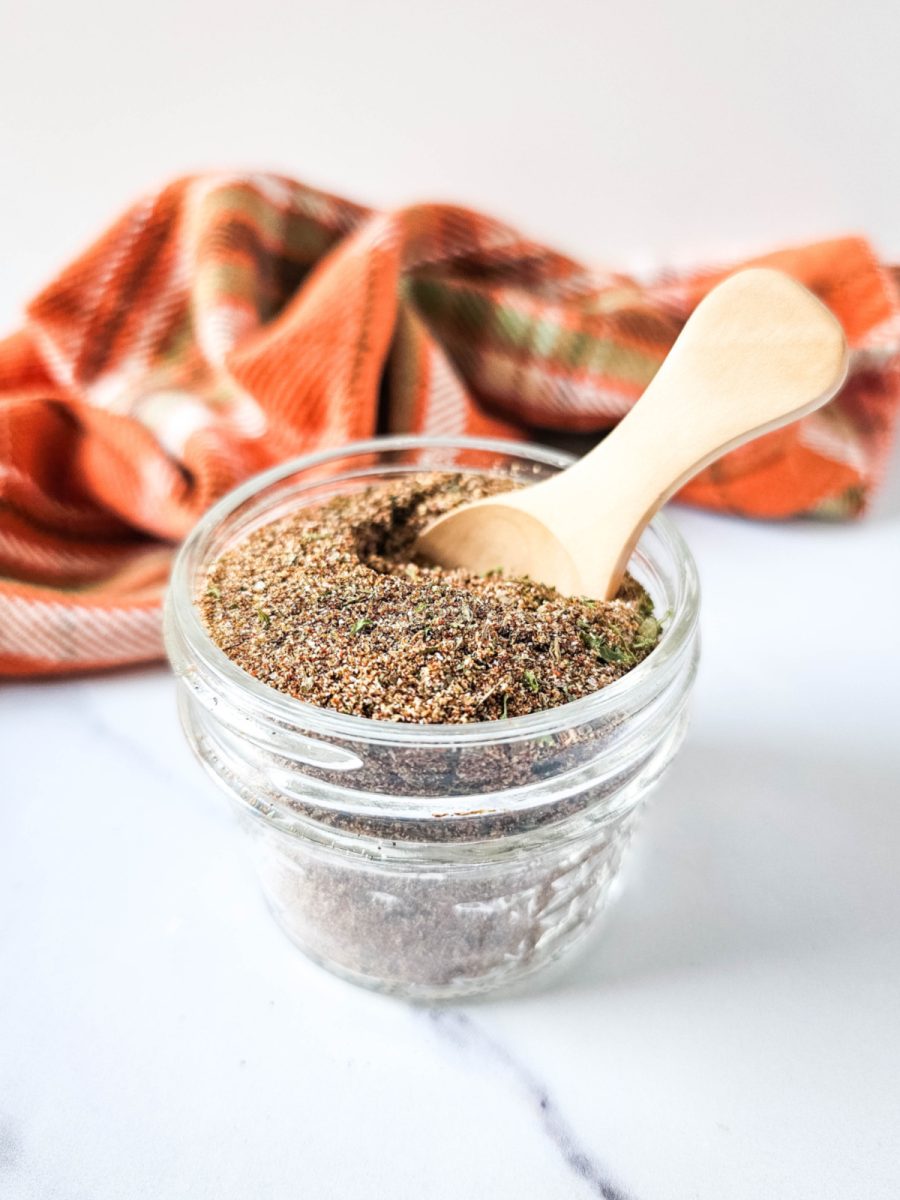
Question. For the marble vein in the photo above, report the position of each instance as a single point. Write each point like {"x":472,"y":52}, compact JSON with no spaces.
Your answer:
{"x":461,"y":1031}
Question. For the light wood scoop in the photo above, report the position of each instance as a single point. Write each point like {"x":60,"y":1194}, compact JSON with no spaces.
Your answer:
{"x":758,"y":352}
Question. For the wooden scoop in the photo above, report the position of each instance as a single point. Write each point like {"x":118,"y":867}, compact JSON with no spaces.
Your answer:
{"x":758,"y":352}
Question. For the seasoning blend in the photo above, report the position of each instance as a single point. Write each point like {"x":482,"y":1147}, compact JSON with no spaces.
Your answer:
{"x":328,"y":606}
{"x":439,"y":772}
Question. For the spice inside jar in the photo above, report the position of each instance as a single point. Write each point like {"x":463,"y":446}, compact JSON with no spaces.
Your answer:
{"x":330,"y":605}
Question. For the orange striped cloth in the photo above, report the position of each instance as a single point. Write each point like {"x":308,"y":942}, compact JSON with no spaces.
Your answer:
{"x":225,"y":323}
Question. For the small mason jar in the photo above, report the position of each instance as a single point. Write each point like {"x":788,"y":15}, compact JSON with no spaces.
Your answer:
{"x":430,"y":861}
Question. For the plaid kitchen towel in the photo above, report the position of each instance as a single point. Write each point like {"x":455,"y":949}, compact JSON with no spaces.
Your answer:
{"x":225,"y":323}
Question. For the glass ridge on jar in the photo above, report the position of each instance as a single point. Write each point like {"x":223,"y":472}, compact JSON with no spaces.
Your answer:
{"x":430,"y":861}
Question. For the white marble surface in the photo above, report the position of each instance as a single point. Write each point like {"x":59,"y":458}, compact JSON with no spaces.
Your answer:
{"x":732,"y":1032}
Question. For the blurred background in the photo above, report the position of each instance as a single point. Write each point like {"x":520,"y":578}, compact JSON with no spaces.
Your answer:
{"x":647,"y":133}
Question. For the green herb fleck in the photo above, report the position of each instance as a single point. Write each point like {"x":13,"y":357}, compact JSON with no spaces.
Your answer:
{"x":532,"y":682}
{"x":264,"y":619}
{"x":647,"y":634}
{"x":361,"y":624}
{"x":215,"y":591}
{"x":599,"y":646}
{"x":505,"y":712}
{"x":493,"y":572}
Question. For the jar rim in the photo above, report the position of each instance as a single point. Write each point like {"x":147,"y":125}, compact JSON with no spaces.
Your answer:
{"x":631,"y":690}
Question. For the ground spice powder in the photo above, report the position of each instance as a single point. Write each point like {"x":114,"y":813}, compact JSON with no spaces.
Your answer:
{"x":330,"y":605}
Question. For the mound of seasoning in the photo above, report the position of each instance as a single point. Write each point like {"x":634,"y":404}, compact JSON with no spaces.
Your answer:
{"x":330,"y":605}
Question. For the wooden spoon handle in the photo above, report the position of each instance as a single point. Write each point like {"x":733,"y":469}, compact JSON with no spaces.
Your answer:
{"x":758,"y":352}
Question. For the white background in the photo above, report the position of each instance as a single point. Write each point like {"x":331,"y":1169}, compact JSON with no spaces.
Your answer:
{"x":734,"y":1034}
{"x":671,"y":131}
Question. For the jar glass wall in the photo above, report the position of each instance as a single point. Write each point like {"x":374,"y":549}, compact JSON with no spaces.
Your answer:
{"x":430,"y":860}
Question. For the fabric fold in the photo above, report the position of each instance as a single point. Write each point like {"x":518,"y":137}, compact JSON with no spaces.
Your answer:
{"x":227,"y":322}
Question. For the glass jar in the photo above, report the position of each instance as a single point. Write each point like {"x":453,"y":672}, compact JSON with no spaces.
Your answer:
{"x":430,"y":861}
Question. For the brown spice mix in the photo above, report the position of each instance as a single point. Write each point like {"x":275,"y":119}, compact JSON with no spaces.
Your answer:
{"x":329,"y":605}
